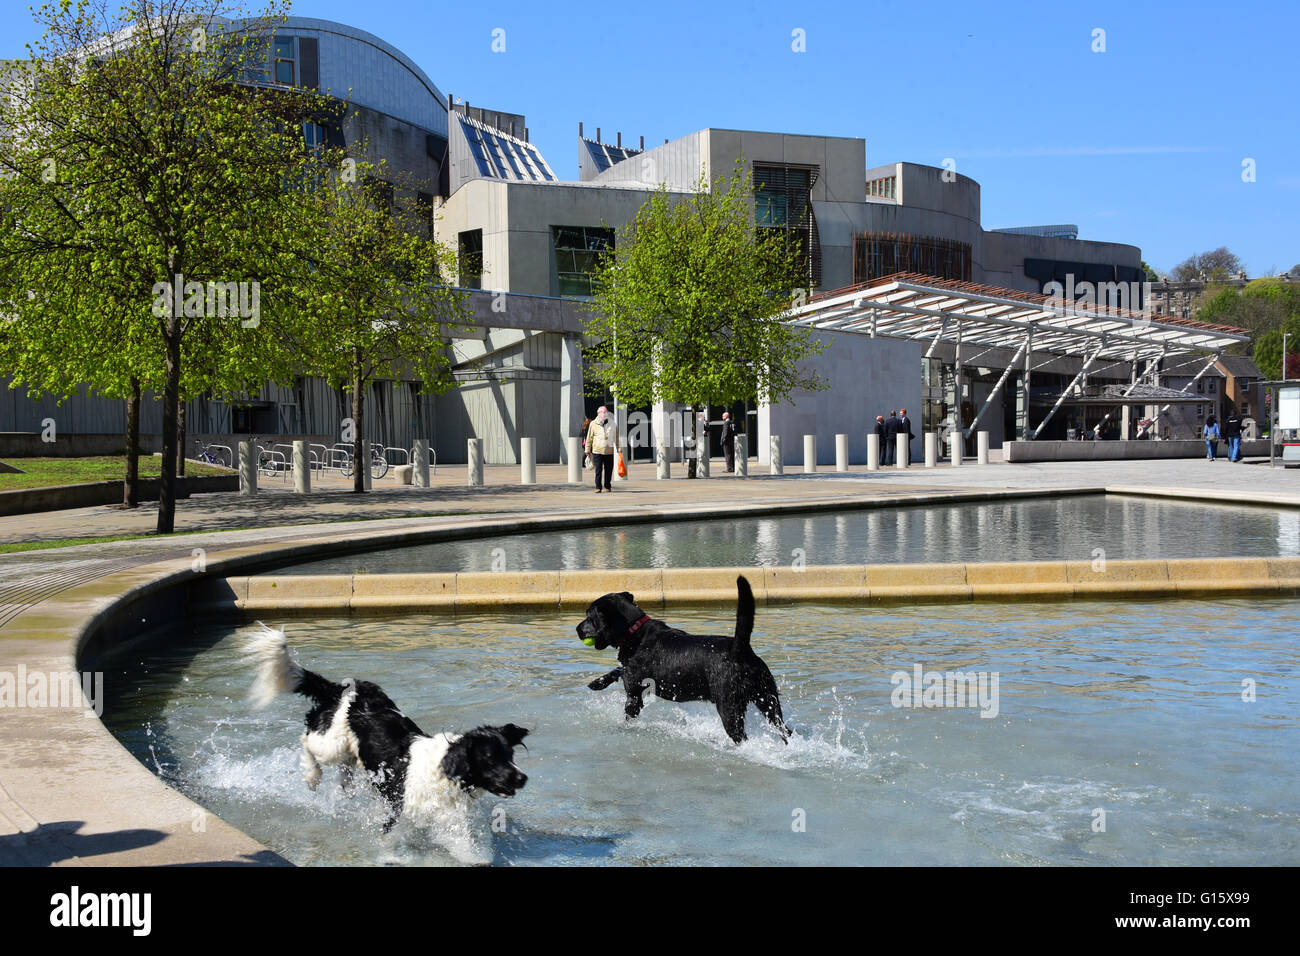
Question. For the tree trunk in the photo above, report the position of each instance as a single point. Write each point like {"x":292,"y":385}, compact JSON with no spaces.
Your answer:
{"x":180,"y":436}
{"x":171,"y":399}
{"x":361,"y":460}
{"x":131,"y":486}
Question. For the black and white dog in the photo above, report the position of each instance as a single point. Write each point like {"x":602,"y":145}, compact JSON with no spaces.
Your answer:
{"x":432,"y":781}
{"x":679,"y":666}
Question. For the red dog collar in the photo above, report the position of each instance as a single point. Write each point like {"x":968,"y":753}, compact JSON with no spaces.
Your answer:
{"x":637,"y":626}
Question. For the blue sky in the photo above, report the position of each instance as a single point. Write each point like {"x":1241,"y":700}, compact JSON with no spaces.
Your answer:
{"x":1142,"y":143}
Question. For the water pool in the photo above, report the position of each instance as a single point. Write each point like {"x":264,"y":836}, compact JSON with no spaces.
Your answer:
{"x":1134,"y":710}
{"x":1051,"y":529}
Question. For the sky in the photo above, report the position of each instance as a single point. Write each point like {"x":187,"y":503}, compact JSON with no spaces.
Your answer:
{"x":1170,"y":127}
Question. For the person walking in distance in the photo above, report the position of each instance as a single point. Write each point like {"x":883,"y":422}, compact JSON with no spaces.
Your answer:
{"x":905,"y":428}
{"x":586,"y":445}
{"x":729,"y":440}
{"x":602,"y":441}
{"x":880,"y":433}
{"x":1232,"y":432}
{"x":1212,"y":436}
{"x":891,"y":429}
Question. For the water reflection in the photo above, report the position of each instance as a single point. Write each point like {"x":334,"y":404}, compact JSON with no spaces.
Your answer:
{"x":1034,"y":530}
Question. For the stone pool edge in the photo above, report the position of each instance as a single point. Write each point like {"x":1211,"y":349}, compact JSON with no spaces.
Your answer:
{"x":71,"y":794}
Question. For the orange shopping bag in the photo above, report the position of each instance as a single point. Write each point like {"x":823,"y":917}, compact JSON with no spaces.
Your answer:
{"x":622,"y":468}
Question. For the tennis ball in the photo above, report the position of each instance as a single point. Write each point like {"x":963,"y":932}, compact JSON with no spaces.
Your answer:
{"x":589,"y":641}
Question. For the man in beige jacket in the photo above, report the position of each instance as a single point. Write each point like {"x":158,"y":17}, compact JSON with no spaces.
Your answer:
{"x":602,"y":441}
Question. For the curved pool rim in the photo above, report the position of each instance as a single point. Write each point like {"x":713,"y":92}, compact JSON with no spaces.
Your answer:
{"x":133,"y":818}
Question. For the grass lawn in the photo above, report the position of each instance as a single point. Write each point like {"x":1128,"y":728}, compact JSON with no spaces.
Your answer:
{"x":45,"y":472}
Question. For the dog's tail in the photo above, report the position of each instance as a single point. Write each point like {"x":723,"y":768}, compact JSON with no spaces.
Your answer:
{"x":277,"y":671}
{"x":744,"y":617}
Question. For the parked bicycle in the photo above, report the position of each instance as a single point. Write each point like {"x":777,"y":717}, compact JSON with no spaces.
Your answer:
{"x":213,"y":454}
{"x":378,"y":464}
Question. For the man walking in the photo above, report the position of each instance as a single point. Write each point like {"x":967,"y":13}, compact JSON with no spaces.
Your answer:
{"x":602,"y":441}
{"x":891,"y":429}
{"x":905,"y":428}
{"x":1232,"y":432}
{"x":729,"y":440}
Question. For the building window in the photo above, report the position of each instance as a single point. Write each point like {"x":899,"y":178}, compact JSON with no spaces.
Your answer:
{"x":783,"y":200}
{"x":284,"y":66}
{"x":1245,"y":409}
{"x":1212,"y":387}
{"x":578,"y":249}
{"x":470,"y":257}
{"x":313,"y":135}
{"x":878,"y":254}
{"x":884,"y":188}
{"x":1244,"y":384}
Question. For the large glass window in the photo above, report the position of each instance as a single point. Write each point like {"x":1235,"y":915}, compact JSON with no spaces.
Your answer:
{"x":285,"y":66}
{"x":578,"y":249}
{"x":471,"y":259}
{"x":783,"y":200}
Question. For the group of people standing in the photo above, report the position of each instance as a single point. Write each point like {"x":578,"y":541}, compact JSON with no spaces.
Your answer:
{"x":888,"y":429}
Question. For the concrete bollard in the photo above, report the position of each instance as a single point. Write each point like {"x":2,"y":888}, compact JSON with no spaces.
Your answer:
{"x":955,"y":449}
{"x":931,"y":449}
{"x":903,"y":451}
{"x":873,"y":451}
{"x":573,"y":448}
{"x":841,"y":452}
{"x":420,"y":459}
{"x":663,"y":467}
{"x":809,"y":454}
{"x":247,"y":468}
{"x":474,"y":459}
{"x":702,"y":463}
{"x":742,"y":456}
{"x":527,"y":461}
{"x":775,"y":465}
{"x":301,"y":468}
{"x":982,"y":448}
{"x":367,"y":479}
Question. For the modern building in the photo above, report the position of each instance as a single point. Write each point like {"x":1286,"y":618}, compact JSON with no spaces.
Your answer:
{"x":527,"y":242}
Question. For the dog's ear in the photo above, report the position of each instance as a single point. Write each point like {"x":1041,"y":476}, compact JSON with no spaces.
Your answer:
{"x":628,"y":595}
{"x":455,"y":764}
{"x":514,"y":735}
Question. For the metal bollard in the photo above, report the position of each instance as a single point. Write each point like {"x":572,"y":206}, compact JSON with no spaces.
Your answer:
{"x":247,"y":468}
{"x":301,"y":468}
{"x":527,"y":461}
{"x":420,"y":459}
{"x":573,"y":446}
{"x":474,"y":458}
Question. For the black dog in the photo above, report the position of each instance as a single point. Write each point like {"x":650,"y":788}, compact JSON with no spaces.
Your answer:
{"x":432,"y":780}
{"x":679,"y":666}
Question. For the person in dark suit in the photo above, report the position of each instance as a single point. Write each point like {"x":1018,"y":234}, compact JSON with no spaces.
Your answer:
{"x":729,"y":440}
{"x":891,"y":429}
{"x":880,"y":433}
{"x":905,"y":428}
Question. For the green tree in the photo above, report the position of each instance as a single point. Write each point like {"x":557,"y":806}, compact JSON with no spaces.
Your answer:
{"x":688,"y":307}
{"x":378,"y":305}
{"x":133,"y":161}
{"x":1149,"y":274}
{"x":1217,"y":264}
